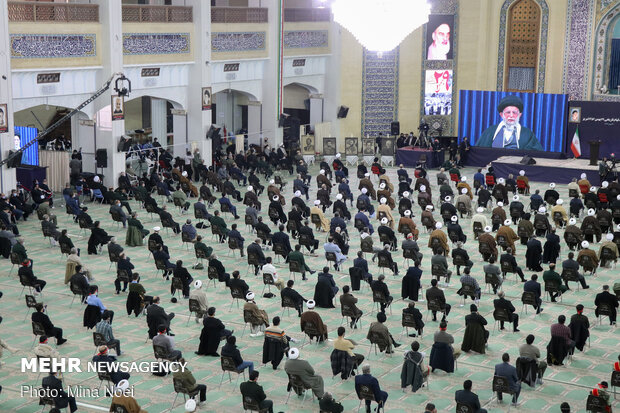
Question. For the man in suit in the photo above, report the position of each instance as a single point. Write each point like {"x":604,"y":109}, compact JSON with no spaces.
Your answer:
{"x":387,"y":255}
{"x":363,"y":218}
{"x":609,"y":299}
{"x":437,"y":294}
{"x":252,"y":389}
{"x":117,"y":210}
{"x":366,"y":379}
{"x":534,"y":286}
{"x":25,"y":272}
{"x":50,"y":330}
{"x":189,"y":230}
{"x":155,"y":316}
{"x":293,"y":295}
{"x":283,"y":239}
{"x":509,"y":372}
{"x":54,"y":385}
{"x":504,"y":304}
{"x":202,"y":208}
{"x":164,"y":340}
{"x":571,"y":264}
{"x":255,"y":248}
{"x":330,"y":246}
{"x":304,"y":370}
{"x":381,"y":286}
{"x":466,"y":396}
{"x":161,"y":255}
{"x":551,"y":276}
{"x":222,"y":275}
{"x":80,"y":280}
{"x":417,"y":316}
{"x":104,"y":362}
{"x":347,"y":299}
{"x":509,"y":258}
{"x":495,"y":273}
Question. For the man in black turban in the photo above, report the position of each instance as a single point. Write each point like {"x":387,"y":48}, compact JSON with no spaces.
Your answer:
{"x":509,"y":133}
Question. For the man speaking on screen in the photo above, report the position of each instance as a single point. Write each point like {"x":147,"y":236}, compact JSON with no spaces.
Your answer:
{"x":509,"y":134}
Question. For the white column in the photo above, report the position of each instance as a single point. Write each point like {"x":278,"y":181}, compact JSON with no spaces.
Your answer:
{"x":316,"y":109}
{"x":254,"y":122}
{"x":179,"y":129}
{"x":108,"y":133}
{"x":158,"y":120}
{"x":270,"y":79}
{"x":199,"y":120}
{"x":7,"y":175}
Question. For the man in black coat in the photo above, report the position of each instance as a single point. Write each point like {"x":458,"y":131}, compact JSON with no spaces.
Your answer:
{"x":411,"y":283}
{"x":385,"y":253}
{"x":156,"y":316}
{"x":25,"y":272}
{"x":97,"y":237}
{"x":417,"y":316}
{"x":255,"y":248}
{"x":466,"y":396}
{"x":361,"y":263}
{"x":512,"y":261}
{"x":533,"y":255}
{"x":107,"y":361}
{"x":181,"y":273}
{"x":437,"y":294}
{"x":609,"y":299}
{"x":282,"y":238}
{"x":222,"y":275}
{"x":504,"y":304}
{"x":255,"y":391}
{"x":157,"y":239}
{"x":293,"y":295}
{"x":571,"y":264}
{"x":62,"y":400}
{"x":161,"y":255}
{"x":50,"y":330}
{"x":380,"y":286}
{"x":534,"y":286}
{"x":238,"y":283}
{"x":306,"y":230}
{"x":459,"y":251}
{"x":212,"y":332}
{"x":80,"y":280}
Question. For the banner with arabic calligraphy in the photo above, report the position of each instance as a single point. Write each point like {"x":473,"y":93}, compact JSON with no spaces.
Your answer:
{"x":596,"y":121}
{"x":543,"y":113}
{"x":438,"y":92}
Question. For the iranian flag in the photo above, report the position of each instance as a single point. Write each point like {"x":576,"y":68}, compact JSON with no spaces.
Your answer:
{"x":575,"y":145}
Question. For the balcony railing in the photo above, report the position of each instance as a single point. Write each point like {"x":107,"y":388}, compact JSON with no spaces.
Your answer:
{"x":307,"y":15}
{"x":239,"y":15}
{"x":157,"y":14}
{"x":22,"y":11}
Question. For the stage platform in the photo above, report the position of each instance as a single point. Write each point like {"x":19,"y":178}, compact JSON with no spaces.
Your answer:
{"x":410,"y":155}
{"x":483,"y":156}
{"x":560,"y":171}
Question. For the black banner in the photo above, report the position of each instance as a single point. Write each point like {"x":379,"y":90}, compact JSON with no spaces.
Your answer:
{"x":596,"y":121}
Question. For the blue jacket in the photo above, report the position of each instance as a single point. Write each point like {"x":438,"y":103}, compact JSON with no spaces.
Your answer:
{"x":371,"y":382}
{"x":510,"y":373}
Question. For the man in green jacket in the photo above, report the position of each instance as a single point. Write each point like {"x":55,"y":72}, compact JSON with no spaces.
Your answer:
{"x":201,"y":246}
{"x":550,"y":276}
{"x":189,"y":382}
{"x":135,"y":222}
{"x":179,"y":196}
{"x":298,"y":257}
{"x":20,"y":250}
{"x":217,"y":221}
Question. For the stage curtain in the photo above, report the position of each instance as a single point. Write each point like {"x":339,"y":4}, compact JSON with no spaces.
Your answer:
{"x":321,"y":130}
{"x":543,"y":113}
{"x":57,"y":163}
{"x":614,"y":65}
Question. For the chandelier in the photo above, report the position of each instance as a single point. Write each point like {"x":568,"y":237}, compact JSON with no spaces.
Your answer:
{"x":380,"y":25}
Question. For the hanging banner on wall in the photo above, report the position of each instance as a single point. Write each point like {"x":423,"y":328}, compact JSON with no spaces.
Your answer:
{"x":4,"y":118}
{"x":438,"y":92}
{"x":118,"y":108}
{"x":206,"y":98}
{"x":439,"y":37}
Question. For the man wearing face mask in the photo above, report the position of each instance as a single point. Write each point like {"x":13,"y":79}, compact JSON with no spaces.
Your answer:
{"x":509,"y":133}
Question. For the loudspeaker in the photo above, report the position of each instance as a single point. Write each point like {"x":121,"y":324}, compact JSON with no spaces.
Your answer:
{"x":282,"y":120}
{"x":343,"y":111}
{"x":395,"y":128}
{"x":527,"y":160}
{"x":102,"y":158}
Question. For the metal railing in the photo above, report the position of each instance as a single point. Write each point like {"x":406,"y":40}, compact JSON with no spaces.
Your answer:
{"x":157,"y":14}
{"x":239,"y":15}
{"x":307,"y":15}
{"x":27,"y":11}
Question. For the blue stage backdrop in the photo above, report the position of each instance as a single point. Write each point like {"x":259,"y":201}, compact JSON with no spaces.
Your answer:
{"x":31,"y":154}
{"x":544,"y":114}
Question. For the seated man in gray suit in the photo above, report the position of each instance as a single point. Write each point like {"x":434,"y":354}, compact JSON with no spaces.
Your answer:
{"x":509,"y":372}
{"x":161,"y":339}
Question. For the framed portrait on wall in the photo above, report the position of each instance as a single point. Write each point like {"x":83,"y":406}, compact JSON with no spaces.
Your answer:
{"x":350,"y":146}
{"x":307,"y":145}
{"x":4,"y":118}
{"x":387,"y":147}
{"x":439,"y":37}
{"x":574,"y":115}
{"x":368,"y":146}
{"x":118,"y":108}
{"x":206,"y":98}
{"x":329,"y":146}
